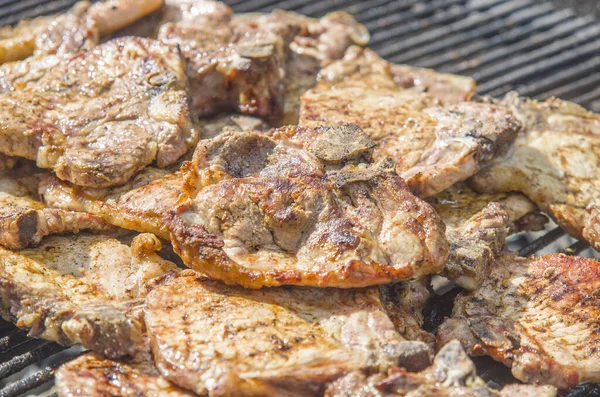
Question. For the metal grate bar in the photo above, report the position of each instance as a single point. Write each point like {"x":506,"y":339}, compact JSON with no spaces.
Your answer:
{"x":12,"y":338}
{"x":33,"y":8}
{"x":43,"y":350}
{"x":395,"y":7}
{"x":572,"y":89}
{"x":542,"y":242}
{"x":576,"y":248}
{"x":255,"y":5}
{"x":451,"y":35}
{"x":591,"y":95}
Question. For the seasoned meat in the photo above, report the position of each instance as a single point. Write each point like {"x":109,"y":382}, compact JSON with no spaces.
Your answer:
{"x":540,"y":316}
{"x":25,"y":220}
{"x":7,"y":162}
{"x":94,"y":376}
{"x":142,"y":202}
{"x":101,"y":117}
{"x":79,"y":28}
{"x":303,"y":207}
{"x":226,"y":340}
{"x":434,"y":145}
{"x":240,"y":62}
{"x":554,"y":162}
{"x":477,"y":227}
{"x":452,"y":374}
{"x":83,"y":289}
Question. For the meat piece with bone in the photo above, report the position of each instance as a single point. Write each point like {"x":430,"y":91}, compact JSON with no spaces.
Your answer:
{"x":554,"y":162}
{"x":241,"y":62}
{"x":295,"y":340}
{"x":25,"y":220}
{"x":103,"y":115}
{"x":434,"y":145}
{"x":141,"y":203}
{"x":83,"y":289}
{"x":477,"y":227}
{"x":304,"y":207}
{"x":451,"y":374}
{"x":540,"y":316}
{"x":94,"y":376}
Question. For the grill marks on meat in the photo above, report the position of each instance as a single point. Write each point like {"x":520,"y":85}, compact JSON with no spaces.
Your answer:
{"x":295,"y":341}
{"x":451,"y":374}
{"x":94,"y":376}
{"x":25,"y":220}
{"x":83,"y":289}
{"x":104,"y":115}
{"x":303,"y":207}
{"x":477,"y":227}
{"x":540,"y":316}
{"x":554,"y":162}
{"x":434,"y":145}
{"x":240,"y":62}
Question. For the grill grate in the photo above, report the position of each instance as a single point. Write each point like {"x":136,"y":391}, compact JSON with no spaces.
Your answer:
{"x":527,"y":45}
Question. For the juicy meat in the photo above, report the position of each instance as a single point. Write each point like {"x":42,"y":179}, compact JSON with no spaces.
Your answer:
{"x":141,"y":203}
{"x":25,"y":220}
{"x":304,"y":207}
{"x":452,"y":374}
{"x":434,"y":145}
{"x":240,"y":62}
{"x":103,"y":115}
{"x":477,"y":227}
{"x":554,"y":161}
{"x":79,"y":28}
{"x":94,"y":376}
{"x":540,"y":316}
{"x":226,"y":340}
{"x":83,"y":289}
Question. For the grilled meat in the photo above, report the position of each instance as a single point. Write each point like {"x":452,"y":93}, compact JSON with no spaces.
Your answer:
{"x":94,"y":376}
{"x":79,"y":28}
{"x":477,"y":227}
{"x":142,"y":202}
{"x":434,"y":145}
{"x":296,"y":339}
{"x":540,"y":316}
{"x":6,"y":162}
{"x":101,"y":117}
{"x":452,"y":374}
{"x":83,"y":289}
{"x":303,"y":207}
{"x":553,"y":162}
{"x":25,"y":220}
{"x":240,"y":62}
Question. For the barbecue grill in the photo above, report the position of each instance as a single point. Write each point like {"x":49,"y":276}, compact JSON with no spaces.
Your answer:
{"x":530,"y":46}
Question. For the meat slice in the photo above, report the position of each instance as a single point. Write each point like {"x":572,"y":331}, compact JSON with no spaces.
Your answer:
{"x":540,"y":316}
{"x":103,"y":115}
{"x":94,"y":376}
{"x":303,"y":207}
{"x":6,"y":162}
{"x":434,"y":145}
{"x":83,"y":289}
{"x":226,"y":340}
{"x":141,"y":203}
{"x":554,"y":162}
{"x":240,"y":62}
{"x":79,"y":28}
{"x":477,"y":227}
{"x":452,"y":374}
{"x":25,"y":220}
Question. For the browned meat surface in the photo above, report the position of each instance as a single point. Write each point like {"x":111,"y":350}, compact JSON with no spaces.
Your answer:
{"x":540,"y":316}
{"x":25,"y":220}
{"x":434,"y":145}
{"x":7,"y":162}
{"x":101,"y":117}
{"x":554,"y":162}
{"x":83,"y":289}
{"x":226,"y":340}
{"x":477,"y":227}
{"x":303,"y":207}
{"x":452,"y":374}
{"x":94,"y":376}
{"x":141,"y":203}
{"x":240,"y":62}
{"x":79,"y":28}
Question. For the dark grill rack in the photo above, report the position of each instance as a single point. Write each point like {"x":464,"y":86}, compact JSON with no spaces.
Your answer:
{"x":526,"y":45}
